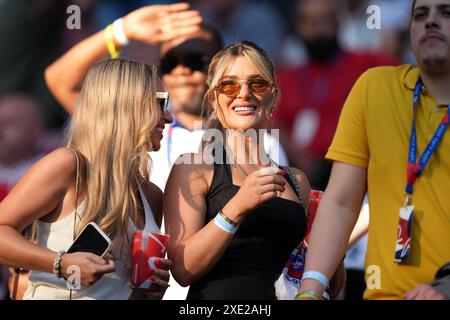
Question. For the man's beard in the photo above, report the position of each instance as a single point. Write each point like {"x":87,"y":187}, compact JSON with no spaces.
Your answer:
{"x":194,"y":107}
{"x":436,"y":63}
{"x":322,"y":48}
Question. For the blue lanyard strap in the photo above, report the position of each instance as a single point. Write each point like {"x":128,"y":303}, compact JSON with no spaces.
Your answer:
{"x":415,"y":169}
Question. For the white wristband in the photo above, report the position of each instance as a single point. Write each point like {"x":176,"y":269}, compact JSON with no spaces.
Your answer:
{"x":119,"y":33}
{"x":320,"y":277}
{"x":224,"y":224}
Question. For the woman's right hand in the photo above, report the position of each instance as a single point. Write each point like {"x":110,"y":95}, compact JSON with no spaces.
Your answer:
{"x":259,"y":186}
{"x":92,"y":267}
{"x":157,"y":23}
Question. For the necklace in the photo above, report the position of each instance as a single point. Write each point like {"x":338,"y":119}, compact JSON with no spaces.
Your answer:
{"x":243,"y":172}
{"x":237,"y":166}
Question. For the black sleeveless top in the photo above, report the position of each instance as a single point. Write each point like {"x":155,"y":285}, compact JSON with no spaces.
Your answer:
{"x":259,"y":250}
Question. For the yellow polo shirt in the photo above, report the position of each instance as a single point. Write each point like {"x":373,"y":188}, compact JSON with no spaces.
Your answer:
{"x":373,"y":133}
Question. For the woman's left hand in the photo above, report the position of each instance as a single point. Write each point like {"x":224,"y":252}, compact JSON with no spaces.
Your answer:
{"x":160,"y":281}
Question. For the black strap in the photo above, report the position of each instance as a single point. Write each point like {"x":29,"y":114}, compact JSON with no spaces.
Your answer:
{"x":290,"y":177}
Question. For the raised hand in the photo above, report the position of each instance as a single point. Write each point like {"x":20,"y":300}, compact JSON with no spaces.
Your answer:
{"x":259,"y":186}
{"x":158,"y":23}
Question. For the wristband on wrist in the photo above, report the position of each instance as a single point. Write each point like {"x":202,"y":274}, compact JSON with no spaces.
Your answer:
{"x":110,"y":44}
{"x":234,"y":224}
{"x":307,"y":294}
{"x":225,"y":223}
{"x":320,"y":277}
{"x":119,"y":33}
{"x":57,"y":264}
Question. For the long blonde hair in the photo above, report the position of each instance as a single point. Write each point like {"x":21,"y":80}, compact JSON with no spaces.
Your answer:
{"x":219,"y":65}
{"x":111,"y":128}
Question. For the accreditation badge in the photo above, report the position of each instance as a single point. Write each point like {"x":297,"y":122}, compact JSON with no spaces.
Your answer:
{"x":404,"y":234}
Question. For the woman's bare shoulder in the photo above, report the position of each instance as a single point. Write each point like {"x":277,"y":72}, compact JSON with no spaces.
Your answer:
{"x":191,"y":171}
{"x":60,"y":164}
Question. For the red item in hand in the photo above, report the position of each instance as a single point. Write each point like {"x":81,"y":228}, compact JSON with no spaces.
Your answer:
{"x":148,"y":247}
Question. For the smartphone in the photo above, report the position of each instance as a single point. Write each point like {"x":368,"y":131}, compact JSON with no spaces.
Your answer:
{"x":91,"y":239}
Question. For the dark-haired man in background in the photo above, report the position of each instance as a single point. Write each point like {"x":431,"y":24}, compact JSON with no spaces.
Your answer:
{"x":392,"y":141}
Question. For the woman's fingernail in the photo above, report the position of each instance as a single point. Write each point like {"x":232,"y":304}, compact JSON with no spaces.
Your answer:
{"x":158,"y":262}
{"x":152,"y":279}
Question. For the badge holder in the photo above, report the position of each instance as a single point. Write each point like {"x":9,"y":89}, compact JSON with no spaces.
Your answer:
{"x":404,"y":233}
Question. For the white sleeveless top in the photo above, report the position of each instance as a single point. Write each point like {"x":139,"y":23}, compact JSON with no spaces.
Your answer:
{"x":59,"y":236}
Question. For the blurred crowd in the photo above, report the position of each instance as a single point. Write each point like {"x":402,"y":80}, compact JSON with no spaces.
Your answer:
{"x":319,"y":48}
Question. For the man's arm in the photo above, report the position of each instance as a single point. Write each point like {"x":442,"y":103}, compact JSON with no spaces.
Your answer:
{"x":336,"y":217}
{"x":150,"y":24}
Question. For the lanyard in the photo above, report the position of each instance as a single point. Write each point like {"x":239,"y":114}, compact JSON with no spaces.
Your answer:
{"x":169,"y":140}
{"x":415,"y":169}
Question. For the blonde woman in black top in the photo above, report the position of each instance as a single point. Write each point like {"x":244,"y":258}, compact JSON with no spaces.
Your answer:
{"x":234,"y":220}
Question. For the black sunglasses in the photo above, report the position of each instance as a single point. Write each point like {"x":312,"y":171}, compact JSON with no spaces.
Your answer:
{"x":162,"y":98}
{"x":194,"y":61}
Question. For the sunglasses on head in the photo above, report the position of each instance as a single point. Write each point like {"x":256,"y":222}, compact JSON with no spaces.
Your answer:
{"x":194,"y":61}
{"x":162,"y":98}
{"x":231,"y":88}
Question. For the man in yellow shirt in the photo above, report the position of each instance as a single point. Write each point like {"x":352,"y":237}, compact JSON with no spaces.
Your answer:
{"x":400,"y":155}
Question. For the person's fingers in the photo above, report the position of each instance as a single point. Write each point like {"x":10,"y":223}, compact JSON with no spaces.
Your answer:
{"x":271,"y":188}
{"x":271,"y":179}
{"x":167,"y":33}
{"x":182,"y":18}
{"x":107,"y":268}
{"x":408,"y":295}
{"x":179,"y":23}
{"x":411,"y":295}
{"x":179,"y":20}
{"x":96,"y":259}
{"x":158,"y":285}
{"x":436,"y":295}
{"x":177,"y":7}
{"x":429,"y":293}
{"x":265,"y":171}
{"x":163,"y":263}
{"x":164,"y":9}
{"x":162,"y":274}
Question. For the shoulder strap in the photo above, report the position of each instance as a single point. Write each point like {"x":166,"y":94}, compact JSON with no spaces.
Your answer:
{"x":77,"y":181}
{"x":293,"y":182}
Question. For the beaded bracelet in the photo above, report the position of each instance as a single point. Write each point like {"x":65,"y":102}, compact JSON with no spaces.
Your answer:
{"x":57,"y":264}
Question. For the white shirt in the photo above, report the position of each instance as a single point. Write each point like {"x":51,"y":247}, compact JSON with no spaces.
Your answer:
{"x":57,"y":236}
